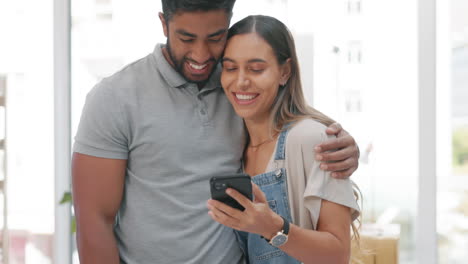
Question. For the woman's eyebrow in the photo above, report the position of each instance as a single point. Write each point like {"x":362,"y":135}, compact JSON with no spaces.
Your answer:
{"x":256,"y":60}
{"x":227,"y":59}
{"x":249,"y":61}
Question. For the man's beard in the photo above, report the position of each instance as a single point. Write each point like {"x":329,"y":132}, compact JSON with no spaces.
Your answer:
{"x":179,"y":65}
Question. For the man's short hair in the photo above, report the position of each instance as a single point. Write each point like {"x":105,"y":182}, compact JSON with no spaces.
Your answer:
{"x":170,"y":7}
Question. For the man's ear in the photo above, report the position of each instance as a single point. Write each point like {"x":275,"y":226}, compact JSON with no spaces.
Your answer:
{"x":285,"y":71}
{"x":163,"y":23}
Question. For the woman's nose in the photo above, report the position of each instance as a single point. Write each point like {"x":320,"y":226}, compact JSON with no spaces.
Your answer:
{"x":242,"y":81}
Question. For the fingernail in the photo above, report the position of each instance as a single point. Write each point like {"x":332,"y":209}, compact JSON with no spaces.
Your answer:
{"x":323,"y":166}
{"x":318,"y":157}
{"x":318,"y":149}
{"x":334,"y":174}
{"x":228,"y":191}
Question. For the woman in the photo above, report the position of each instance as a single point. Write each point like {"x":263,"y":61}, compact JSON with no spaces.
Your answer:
{"x":299,"y":213}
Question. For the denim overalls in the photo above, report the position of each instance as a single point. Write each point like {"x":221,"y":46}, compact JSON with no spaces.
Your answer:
{"x":274,"y":184}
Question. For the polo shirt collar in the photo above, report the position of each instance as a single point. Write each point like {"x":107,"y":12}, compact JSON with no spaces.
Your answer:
{"x":215,"y":80}
{"x":175,"y":79}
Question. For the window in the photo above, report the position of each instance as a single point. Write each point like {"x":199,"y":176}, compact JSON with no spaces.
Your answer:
{"x":452,"y":196}
{"x":26,"y":68}
{"x":365,"y":93}
{"x":363,"y":75}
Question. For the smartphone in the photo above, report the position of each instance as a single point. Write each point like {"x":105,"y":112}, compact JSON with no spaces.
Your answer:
{"x":240,"y":182}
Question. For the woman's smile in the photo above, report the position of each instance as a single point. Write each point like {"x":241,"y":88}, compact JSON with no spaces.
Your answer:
{"x":243,"y":98}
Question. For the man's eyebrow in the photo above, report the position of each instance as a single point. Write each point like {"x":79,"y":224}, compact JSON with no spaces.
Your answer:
{"x":185,"y":33}
{"x":217,"y":33}
{"x":190,"y":35}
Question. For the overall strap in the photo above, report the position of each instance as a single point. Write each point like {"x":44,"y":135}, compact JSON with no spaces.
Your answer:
{"x":281,"y":146}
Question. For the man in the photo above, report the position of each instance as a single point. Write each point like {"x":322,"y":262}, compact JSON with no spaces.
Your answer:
{"x":149,"y":139}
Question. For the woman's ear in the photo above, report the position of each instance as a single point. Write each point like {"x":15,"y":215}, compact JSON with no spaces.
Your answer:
{"x":285,"y":71}
{"x":163,"y":23}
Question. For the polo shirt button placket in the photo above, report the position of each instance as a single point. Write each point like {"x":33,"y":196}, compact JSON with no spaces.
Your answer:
{"x":202,"y":109}
{"x":200,"y":105}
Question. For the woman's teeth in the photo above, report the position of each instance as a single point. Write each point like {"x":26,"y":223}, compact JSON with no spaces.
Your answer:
{"x":197,"y":67}
{"x":245,"y":96}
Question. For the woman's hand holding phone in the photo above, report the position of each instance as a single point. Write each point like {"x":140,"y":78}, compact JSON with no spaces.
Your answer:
{"x":257,"y":217}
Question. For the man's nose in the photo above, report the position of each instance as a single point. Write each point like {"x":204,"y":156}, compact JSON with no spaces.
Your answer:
{"x":200,"y":52}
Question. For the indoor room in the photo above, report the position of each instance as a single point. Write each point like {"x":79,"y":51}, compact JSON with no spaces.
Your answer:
{"x":393,"y":74}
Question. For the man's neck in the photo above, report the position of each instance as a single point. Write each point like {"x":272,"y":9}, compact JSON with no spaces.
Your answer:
{"x":201,"y":85}
{"x":167,"y":56}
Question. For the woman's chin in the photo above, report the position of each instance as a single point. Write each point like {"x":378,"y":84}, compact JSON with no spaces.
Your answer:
{"x":245,"y":114}
{"x":253,"y":117}
{"x":252,"y":114}
{"x":245,"y":117}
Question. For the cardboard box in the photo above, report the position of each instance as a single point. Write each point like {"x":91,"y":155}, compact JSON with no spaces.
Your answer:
{"x":378,"y":245}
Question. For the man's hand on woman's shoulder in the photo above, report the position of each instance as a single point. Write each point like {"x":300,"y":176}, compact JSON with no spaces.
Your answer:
{"x":339,"y":155}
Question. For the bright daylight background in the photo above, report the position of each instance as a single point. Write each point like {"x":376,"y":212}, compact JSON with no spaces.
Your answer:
{"x":359,"y":65}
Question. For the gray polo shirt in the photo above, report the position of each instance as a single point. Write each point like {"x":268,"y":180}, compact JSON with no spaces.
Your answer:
{"x":175,"y":138}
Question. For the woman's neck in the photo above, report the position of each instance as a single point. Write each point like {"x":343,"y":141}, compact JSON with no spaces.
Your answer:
{"x":260,"y":148}
{"x":259,"y":131}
